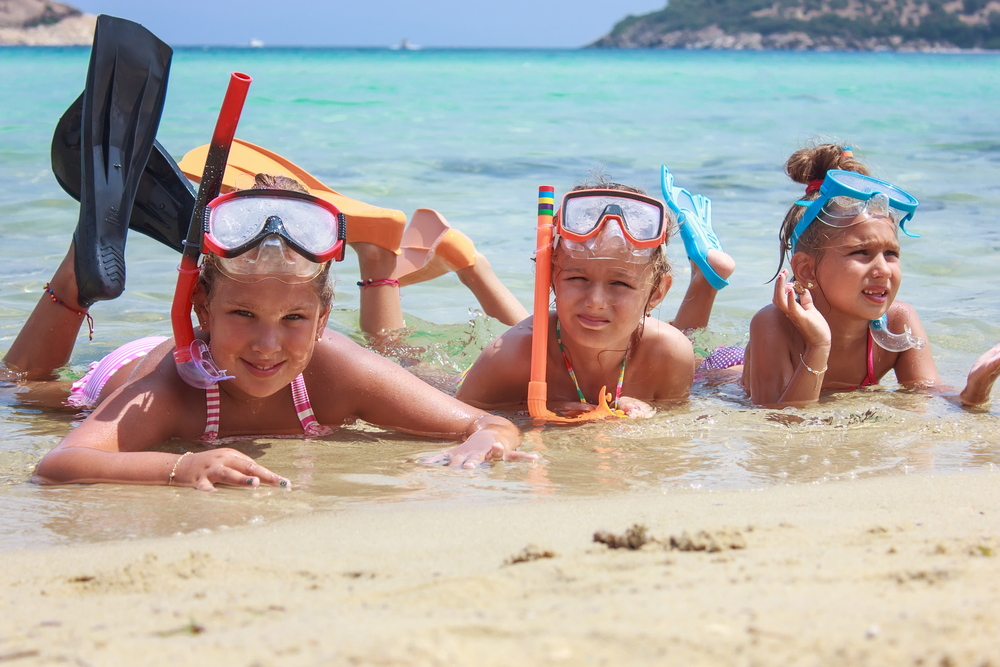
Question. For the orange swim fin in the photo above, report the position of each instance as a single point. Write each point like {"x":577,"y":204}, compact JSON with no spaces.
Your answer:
{"x":365,"y":223}
{"x":431,"y":247}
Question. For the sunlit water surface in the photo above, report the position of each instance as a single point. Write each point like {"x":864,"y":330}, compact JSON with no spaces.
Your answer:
{"x":473,"y":134}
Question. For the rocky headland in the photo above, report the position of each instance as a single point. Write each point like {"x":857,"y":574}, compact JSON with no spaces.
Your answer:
{"x":818,"y":25}
{"x":43,"y":23}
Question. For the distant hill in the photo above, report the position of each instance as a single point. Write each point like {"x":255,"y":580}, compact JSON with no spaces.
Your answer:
{"x":848,"y":25}
{"x":43,"y":23}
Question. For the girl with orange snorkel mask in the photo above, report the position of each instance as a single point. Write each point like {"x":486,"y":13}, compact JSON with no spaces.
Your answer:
{"x":608,"y":272}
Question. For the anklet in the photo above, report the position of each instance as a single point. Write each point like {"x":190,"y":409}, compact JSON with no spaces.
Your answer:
{"x":170,"y":480}
{"x":55,"y":299}
{"x":814,"y":372}
{"x":372,"y":282}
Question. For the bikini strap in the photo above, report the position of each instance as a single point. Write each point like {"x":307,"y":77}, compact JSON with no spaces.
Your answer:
{"x":870,"y":379}
{"x":303,"y":408}
{"x":212,"y":414}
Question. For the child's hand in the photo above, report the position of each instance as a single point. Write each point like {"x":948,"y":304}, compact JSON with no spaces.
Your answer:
{"x":803,"y":314}
{"x":204,"y":470}
{"x":983,"y":375}
{"x":635,"y":408}
{"x":482,"y":446}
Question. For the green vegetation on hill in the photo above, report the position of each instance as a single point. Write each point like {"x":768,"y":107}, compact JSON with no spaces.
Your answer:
{"x":961,"y":23}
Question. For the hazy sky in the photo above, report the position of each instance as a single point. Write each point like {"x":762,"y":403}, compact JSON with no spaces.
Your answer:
{"x":515,"y":23}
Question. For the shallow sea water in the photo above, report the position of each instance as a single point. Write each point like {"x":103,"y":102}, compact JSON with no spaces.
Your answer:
{"x":473,"y":134}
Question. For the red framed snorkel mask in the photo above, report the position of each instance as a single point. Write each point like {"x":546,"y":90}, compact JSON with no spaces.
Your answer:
{"x":610,"y":224}
{"x":280,"y":234}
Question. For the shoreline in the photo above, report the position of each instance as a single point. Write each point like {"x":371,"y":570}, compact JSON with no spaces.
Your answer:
{"x":879,"y":571}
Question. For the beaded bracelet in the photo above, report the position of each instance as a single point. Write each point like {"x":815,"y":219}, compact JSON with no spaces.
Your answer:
{"x":372,"y":282}
{"x":814,"y":372}
{"x":55,"y":299}
{"x":170,"y":480}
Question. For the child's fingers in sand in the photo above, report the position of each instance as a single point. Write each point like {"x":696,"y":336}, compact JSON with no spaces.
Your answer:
{"x":224,"y":466}
{"x":477,"y":450}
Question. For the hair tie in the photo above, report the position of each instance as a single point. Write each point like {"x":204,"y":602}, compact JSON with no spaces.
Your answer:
{"x":814,"y":186}
{"x":847,"y":152}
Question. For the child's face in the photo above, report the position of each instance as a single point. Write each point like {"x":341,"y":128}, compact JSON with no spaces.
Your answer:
{"x":859,"y":270}
{"x":262,"y":333}
{"x":600,"y":302}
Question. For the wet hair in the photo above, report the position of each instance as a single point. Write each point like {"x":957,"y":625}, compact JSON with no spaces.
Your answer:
{"x":210,"y":270}
{"x":804,"y":166}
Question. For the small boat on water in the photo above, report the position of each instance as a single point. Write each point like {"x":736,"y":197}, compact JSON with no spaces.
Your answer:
{"x":256,"y":43}
{"x":404,"y":45}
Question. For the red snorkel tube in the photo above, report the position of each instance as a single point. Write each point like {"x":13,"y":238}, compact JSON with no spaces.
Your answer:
{"x":193,"y":359}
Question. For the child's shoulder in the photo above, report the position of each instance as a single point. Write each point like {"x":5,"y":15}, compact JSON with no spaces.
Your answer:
{"x":770,"y":321}
{"x":661,"y":338}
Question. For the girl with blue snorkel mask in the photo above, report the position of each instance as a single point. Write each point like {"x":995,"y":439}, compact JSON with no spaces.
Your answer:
{"x":836,"y":324}
{"x":608,"y":272}
{"x":263,"y":363}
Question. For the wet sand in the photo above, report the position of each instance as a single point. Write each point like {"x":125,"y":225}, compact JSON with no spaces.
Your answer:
{"x":902,"y":570}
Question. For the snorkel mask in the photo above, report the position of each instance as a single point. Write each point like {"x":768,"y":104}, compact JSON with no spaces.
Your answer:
{"x":845,"y":196}
{"x":610,"y":224}
{"x":279,"y":234}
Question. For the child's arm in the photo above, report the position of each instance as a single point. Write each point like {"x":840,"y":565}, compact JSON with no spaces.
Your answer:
{"x":983,"y":375}
{"x":109,"y":445}
{"x":914,"y":366}
{"x":771,"y":374}
{"x":353,"y":381}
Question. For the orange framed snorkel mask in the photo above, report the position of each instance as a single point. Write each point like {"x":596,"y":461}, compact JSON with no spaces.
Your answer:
{"x":537,"y":385}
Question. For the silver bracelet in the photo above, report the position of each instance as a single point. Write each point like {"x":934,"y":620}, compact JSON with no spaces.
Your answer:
{"x":170,"y":480}
{"x":814,"y":372}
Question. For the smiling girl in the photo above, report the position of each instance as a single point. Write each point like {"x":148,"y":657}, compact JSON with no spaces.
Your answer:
{"x":262,"y":302}
{"x":829,"y":325}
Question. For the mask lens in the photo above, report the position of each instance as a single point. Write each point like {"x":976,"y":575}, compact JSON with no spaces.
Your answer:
{"x":581,"y":215}
{"x":642,"y":220}
{"x":312,"y":227}
{"x":236,"y":222}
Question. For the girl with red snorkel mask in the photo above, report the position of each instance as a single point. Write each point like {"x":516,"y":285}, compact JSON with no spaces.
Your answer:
{"x":609,"y":271}
{"x":831,"y":325}
{"x":263,"y":351}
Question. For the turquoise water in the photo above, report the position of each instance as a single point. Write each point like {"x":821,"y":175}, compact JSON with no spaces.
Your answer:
{"x":473,"y":134}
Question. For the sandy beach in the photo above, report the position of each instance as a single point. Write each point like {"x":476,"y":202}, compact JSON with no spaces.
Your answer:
{"x":901,"y":570}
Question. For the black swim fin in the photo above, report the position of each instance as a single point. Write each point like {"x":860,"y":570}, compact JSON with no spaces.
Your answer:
{"x":122,"y":103}
{"x":164,"y":201}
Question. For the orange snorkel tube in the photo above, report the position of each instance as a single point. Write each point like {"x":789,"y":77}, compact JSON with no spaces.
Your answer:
{"x":194,"y":362}
{"x":537,"y":387}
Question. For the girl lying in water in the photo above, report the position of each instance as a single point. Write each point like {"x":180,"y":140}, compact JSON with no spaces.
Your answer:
{"x":263,"y":314}
{"x":609,"y":271}
{"x":829,"y":325}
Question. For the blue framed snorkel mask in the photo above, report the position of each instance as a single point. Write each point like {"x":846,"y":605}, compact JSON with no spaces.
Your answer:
{"x":844,"y":195}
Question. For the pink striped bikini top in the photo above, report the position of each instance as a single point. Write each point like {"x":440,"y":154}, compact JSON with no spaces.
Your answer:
{"x":303,"y":408}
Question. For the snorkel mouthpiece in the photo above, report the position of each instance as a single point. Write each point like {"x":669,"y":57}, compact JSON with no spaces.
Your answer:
{"x":200,"y":370}
{"x":887,"y":340}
